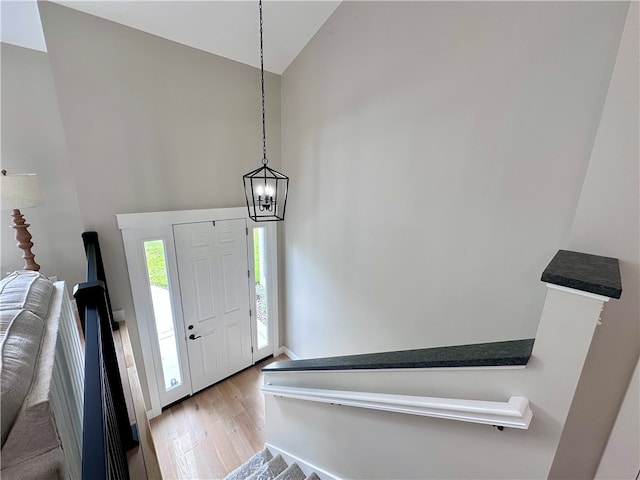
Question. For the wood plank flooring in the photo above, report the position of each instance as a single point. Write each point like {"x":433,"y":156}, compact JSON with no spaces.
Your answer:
{"x":211,"y":433}
{"x":142,"y":460}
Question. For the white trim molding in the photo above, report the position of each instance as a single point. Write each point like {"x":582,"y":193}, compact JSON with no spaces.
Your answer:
{"x":174,"y":217}
{"x":515,"y":413}
{"x":290,"y":354}
{"x":582,"y":293}
{"x":356,"y":371}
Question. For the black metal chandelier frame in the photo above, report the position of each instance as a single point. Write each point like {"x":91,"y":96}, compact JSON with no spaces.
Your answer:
{"x":265,"y":189}
{"x":266,"y":208}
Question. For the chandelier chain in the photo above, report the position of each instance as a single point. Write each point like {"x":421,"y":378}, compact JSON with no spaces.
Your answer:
{"x":265,"y":189}
{"x":264,"y":129}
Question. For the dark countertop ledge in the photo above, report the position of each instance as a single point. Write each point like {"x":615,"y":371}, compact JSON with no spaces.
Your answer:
{"x":494,"y":354}
{"x":580,"y":271}
{"x":585,"y":272}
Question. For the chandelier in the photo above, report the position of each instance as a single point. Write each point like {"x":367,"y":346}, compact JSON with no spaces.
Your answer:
{"x":265,"y":189}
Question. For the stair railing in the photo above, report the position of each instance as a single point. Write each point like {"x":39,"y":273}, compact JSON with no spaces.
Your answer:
{"x":106,"y":431}
{"x":539,"y":375}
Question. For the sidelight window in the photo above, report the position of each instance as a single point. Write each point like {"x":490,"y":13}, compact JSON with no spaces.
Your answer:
{"x":156,"y":262}
{"x":261,"y":286}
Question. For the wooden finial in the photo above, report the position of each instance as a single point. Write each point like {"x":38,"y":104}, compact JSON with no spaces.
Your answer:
{"x":23,"y":238}
{"x":21,"y":190}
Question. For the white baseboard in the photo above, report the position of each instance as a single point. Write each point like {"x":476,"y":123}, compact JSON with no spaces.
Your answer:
{"x":152,"y":413}
{"x":290,"y":354}
{"x":306,"y":467}
{"x":118,"y":315}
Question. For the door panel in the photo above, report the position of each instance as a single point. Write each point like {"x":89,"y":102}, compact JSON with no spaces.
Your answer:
{"x":231,"y":266}
{"x":203,"y":272}
{"x":213,"y":266}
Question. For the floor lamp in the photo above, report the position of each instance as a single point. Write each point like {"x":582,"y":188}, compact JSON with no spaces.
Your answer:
{"x":20,"y":190}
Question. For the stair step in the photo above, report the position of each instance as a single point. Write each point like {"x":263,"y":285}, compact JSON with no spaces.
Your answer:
{"x":264,"y":466}
{"x":292,"y":472}
{"x":270,"y":470}
{"x":250,"y":466}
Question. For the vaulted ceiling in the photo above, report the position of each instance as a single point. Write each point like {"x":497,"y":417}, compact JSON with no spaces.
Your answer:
{"x":226,"y":28}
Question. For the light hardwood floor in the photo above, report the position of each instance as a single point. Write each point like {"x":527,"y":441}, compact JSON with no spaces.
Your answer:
{"x":211,"y":433}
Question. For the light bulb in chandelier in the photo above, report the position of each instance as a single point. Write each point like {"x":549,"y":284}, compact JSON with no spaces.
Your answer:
{"x":265,"y":193}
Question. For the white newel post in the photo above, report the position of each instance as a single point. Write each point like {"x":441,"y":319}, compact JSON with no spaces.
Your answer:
{"x":567,"y":325}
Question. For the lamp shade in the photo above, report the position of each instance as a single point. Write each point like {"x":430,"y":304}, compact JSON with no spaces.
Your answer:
{"x":19,"y":190}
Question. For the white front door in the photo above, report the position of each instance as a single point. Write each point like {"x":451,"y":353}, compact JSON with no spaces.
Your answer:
{"x":214,"y":283}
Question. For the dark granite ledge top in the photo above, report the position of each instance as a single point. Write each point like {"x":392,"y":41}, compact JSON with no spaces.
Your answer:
{"x":494,"y":354}
{"x":584,"y":272}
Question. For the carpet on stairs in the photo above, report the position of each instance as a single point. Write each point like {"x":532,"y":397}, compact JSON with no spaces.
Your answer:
{"x":251,"y":466}
{"x":264,"y":466}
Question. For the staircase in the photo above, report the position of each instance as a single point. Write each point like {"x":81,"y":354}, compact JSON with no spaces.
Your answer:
{"x":411,"y":395}
{"x":264,"y":466}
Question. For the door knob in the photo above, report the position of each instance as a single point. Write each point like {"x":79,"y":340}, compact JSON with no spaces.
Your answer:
{"x":193,"y":336}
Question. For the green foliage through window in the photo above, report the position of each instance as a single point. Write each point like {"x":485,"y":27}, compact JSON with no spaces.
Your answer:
{"x":156,"y":264}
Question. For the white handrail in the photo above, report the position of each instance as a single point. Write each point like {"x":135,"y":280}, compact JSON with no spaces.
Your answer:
{"x":515,"y":413}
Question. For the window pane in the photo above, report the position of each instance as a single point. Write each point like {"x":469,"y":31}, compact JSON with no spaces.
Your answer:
{"x":163,"y":314}
{"x":262,"y":301}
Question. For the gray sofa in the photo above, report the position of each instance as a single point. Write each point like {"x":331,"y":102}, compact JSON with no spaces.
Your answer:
{"x":41,"y":378}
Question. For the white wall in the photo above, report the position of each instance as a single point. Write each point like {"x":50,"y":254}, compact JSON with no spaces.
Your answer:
{"x":152,"y":125}
{"x":621,"y":458}
{"x":437,"y":151}
{"x":473,"y":125}
{"x":607,"y":223}
{"x":370,"y":444}
{"x":33,"y":142}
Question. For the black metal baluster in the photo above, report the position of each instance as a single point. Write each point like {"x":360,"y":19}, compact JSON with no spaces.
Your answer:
{"x":106,"y":430}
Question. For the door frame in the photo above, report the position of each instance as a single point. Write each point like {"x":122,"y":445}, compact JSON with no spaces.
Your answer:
{"x":130,"y":224}
{"x":145,"y":315}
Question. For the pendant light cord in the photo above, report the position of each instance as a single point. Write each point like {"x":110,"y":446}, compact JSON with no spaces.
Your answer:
{"x":264,"y":130}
